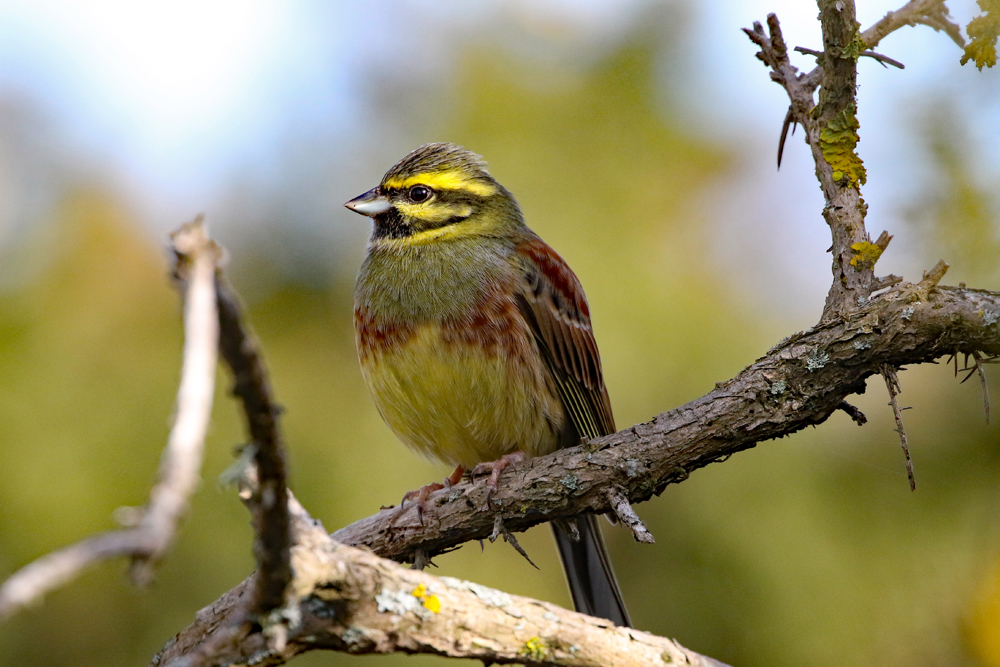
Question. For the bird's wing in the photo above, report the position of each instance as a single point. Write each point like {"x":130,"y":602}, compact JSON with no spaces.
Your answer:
{"x":553,"y":303}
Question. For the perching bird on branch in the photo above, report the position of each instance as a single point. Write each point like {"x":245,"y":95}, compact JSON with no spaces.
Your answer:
{"x":475,"y":339}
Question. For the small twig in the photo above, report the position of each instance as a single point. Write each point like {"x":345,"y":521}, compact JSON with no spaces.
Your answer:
{"x":982,"y":379}
{"x":420,"y":560}
{"x":809,"y":52}
{"x":886,"y":281}
{"x":978,"y":368}
{"x":883,"y":59}
{"x":150,"y":538}
{"x":892,"y":384}
{"x":626,"y":514}
{"x":853,"y":412}
{"x":933,"y":277}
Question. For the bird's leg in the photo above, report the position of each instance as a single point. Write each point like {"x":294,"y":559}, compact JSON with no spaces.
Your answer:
{"x":425,"y":491}
{"x":495,"y":468}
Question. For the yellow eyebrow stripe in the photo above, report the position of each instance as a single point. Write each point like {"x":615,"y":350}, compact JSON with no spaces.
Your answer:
{"x":444,"y":180}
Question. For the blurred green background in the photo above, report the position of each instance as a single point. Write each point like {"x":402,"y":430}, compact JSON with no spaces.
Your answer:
{"x":696,"y":257}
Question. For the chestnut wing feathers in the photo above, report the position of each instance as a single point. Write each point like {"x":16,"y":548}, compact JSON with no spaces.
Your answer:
{"x":553,"y":303}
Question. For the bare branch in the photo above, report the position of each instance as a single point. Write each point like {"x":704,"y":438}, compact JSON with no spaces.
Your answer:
{"x":853,"y":412}
{"x":626,"y":514}
{"x":892,"y":384}
{"x":931,"y":13}
{"x":266,"y":492}
{"x":356,"y":602}
{"x":150,"y":538}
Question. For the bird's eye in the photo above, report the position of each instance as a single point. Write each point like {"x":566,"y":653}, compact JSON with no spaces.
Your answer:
{"x":419,"y":193}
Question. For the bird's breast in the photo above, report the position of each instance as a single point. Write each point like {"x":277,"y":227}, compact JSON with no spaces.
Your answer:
{"x":464,"y":385}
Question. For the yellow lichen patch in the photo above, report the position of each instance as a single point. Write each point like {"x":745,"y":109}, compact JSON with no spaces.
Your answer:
{"x":535,"y":649}
{"x":983,"y":31}
{"x":444,"y":180}
{"x":837,"y":141}
{"x":430,"y":602}
{"x":865,"y":252}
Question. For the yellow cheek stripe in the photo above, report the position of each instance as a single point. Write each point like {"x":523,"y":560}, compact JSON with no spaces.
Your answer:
{"x":444,"y":180}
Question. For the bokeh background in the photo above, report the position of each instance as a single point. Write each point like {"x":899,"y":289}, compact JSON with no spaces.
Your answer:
{"x":640,"y":139}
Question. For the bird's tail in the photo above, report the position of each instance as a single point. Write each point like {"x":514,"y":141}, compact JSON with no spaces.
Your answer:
{"x":591,"y":580}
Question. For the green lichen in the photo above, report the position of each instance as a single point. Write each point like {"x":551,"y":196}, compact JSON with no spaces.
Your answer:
{"x":983,"y":32}
{"x":837,"y":141}
{"x":856,"y":47}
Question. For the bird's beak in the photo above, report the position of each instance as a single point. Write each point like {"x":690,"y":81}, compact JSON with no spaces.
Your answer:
{"x":370,"y":203}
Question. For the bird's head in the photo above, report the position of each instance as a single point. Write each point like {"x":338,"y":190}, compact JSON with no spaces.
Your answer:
{"x":436,"y":192}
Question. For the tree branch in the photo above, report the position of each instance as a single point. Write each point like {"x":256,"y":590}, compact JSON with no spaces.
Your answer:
{"x":354,"y":601}
{"x":830,"y":128}
{"x":154,"y":530}
{"x":263,"y":486}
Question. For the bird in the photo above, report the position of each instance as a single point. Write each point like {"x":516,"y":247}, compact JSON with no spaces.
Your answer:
{"x":475,"y":341}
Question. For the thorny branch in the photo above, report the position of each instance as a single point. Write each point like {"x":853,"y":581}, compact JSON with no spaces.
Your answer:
{"x":148,"y":540}
{"x":830,"y":128}
{"x":892,"y":384}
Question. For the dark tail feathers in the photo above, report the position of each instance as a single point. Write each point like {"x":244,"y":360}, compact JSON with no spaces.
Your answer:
{"x":592,"y":582}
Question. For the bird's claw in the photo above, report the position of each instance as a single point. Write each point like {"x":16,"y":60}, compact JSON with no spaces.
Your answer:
{"x":495,"y":468}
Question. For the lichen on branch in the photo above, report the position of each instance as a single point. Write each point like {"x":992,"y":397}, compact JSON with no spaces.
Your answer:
{"x":983,"y":32}
{"x":838,"y":140}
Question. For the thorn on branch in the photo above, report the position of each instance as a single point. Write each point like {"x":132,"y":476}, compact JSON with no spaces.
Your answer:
{"x":508,"y":537}
{"x":978,"y":368}
{"x":883,"y":60}
{"x":626,"y":514}
{"x":892,"y":384}
{"x":789,"y":122}
{"x":853,"y":412}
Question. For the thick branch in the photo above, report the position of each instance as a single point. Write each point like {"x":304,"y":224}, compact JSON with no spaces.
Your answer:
{"x":800,"y":382}
{"x":354,"y":601}
{"x":154,"y":531}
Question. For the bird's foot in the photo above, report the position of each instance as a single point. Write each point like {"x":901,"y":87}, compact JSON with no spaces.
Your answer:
{"x":495,"y":468}
{"x":421,"y":494}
